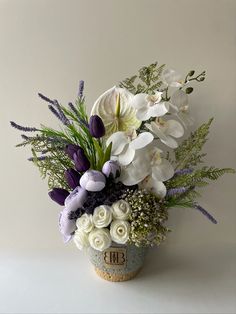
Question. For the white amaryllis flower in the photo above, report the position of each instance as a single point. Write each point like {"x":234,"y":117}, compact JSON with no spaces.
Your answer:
{"x":171,"y":78}
{"x":85,"y":223}
{"x":102,"y":216}
{"x":180,"y":107}
{"x":113,"y":107}
{"x":125,"y":144}
{"x":166,"y":130}
{"x":149,"y":105}
{"x":100,"y":239}
{"x":80,"y":239}
{"x":121,"y":210}
{"x":119,"y":231}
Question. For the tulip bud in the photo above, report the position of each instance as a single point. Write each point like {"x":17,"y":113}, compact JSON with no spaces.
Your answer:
{"x":72,"y":177}
{"x":93,"y":180}
{"x":96,"y":126}
{"x":58,"y":195}
{"x":81,"y":161}
{"x":71,"y":149}
{"x":111,"y":168}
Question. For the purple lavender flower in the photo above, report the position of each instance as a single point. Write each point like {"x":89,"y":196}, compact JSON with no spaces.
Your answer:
{"x":81,"y":161}
{"x":66,"y":226}
{"x":81,"y":89}
{"x":93,"y":180}
{"x":180,"y":190}
{"x":111,"y":168}
{"x":54,"y":111}
{"x":38,"y":158}
{"x":205,"y":213}
{"x":45,"y":98}
{"x":72,"y":178}
{"x":96,"y":126}
{"x":58,"y":195}
{"x":76,"y":199}
{"x":62,"y":116}
{"x":71,"y":149}
{"x":23,"y":128}
{"x":183,"y":171}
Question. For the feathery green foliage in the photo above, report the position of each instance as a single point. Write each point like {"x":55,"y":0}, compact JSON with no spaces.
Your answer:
{"x":147,"y":80}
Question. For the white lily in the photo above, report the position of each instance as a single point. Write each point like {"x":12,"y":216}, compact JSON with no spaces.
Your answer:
{"x":180,"y":107}
{"x":166,"y":130}
{"x":171,"y":78}
{"x":124,"y":144}
{"x":148,"y":106}
{"x":113,"y":107}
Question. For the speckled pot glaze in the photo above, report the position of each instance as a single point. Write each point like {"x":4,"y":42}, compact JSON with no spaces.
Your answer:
{"x":118,"y":262}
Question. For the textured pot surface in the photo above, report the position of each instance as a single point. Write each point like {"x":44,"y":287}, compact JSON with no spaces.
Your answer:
{"x":118,"y":262}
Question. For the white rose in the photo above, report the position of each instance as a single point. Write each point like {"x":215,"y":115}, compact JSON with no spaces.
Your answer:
{"x":119,"y":231}
{"x":85,"y":223}
{"x":81,"y":239}
{"x":121,"y":210}
{"x":102,"y":216}
{"x":100,"y":239}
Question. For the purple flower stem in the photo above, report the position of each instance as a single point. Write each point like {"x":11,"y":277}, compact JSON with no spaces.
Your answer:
{"x":205,"y":213}
{"x":180,"y":190}
{"x":23,"y":128}
{"x":81,"y":89}
{"x":46,"y":98}
{"x":183,"y":171}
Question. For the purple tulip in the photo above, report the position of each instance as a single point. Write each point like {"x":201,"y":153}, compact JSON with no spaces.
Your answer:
{"x":58,"y":195}
{"x":71,"y":149}
{"x":76,"y":199}
{"x":72,"y":178}
{"x":66,"y":226}
{"x":93,"y":180}
{"x":81,"y":161}
{"x":111,"y":168}
{"x":96,"y":126}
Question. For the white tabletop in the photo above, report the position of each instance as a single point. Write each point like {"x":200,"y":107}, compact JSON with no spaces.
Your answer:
{"x":174,"y":280}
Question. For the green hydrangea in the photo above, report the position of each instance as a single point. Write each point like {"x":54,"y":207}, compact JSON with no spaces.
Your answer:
{"x":147,"y":218}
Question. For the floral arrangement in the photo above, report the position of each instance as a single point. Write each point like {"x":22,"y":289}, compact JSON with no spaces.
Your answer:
{"x":119,"y":171}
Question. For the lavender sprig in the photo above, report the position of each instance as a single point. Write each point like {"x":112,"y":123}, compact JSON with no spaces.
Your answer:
{"x":180,"y":190}
{"x":23,"y":128}
{"x":63,"y":118}
{"x":205,"y":213}
{"x":72,"y":107}
{"x":81,"y":89}
{"x":39,"y":158}
{"x":183,"y":171}
{"x":46,"y":98}
{"x":54,"y":111}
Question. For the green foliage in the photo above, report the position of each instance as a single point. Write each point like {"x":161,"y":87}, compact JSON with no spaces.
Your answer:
{"x":189,"y":152}
{"x":147,"y":80}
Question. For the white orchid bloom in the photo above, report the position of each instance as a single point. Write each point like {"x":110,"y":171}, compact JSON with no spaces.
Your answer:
{"x":161,"y":171}
{"x":148,"y":106}
{"x":114,"y":108}
{"x":124,"y":145}
{"x":166,"y":130}
{"x":180,"y":107}
{"x":172,"y":79}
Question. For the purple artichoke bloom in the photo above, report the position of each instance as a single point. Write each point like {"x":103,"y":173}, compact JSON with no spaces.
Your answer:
{"x":93,"y":180}
{"x":71,"y":149}
{"x":58,"y":195}
{"x":111,"y":168}
{"x":81,"y":161}
{"x":76,"y":199}
{"x":96,"y":126}
{"x":66,"y":226}
{"x":72,"y":178}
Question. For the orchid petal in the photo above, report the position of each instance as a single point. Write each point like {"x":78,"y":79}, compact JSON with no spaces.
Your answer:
{"x":139,"y":101}
{"x":159,"y":109}
{"x":174,"y":128}
{"x":126,"y":156}
{"x":163,"y":171}
{"x":143,"y":114}
{"x":171,"y":77}
{"x":118,"y":140}
{"x":132,"y":175}
{"x":142,"y":140}
{"x":156,"y":187}
{"x":179,"y":98}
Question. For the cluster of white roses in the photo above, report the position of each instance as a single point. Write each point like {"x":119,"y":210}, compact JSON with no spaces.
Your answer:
{"x":107,"y":224}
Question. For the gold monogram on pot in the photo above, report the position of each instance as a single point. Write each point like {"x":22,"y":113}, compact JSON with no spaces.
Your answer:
{"x":115,"y":257}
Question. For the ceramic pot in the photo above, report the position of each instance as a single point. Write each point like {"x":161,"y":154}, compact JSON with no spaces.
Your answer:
{"x":118,"y":262}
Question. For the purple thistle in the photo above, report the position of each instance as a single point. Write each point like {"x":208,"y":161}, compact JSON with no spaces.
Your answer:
{"x":173,"y":192}
{"x":46,"y":98}
{"x":205,"y":213}
{"x":23,"y":128}
{"x":81,"y":89}
{"x":183,"y":171}
{"x":62,"y":116}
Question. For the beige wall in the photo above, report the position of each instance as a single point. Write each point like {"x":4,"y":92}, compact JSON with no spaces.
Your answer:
{"x":49,"y":45}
